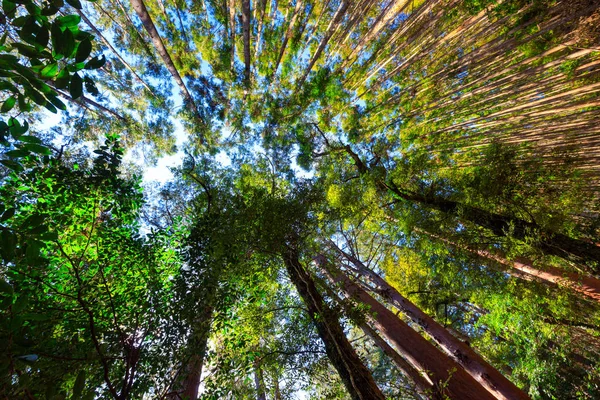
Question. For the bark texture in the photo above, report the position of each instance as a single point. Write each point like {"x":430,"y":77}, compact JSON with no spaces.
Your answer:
{"x":354,"y":374}
{"x":448,"y":377}
{"x":489,"y":377}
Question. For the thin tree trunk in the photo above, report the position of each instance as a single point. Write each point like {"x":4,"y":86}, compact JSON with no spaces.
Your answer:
{"x":334,"y":24}
{"x":83,"y":101}
{"x":126,"y":13}
{"x":288,"y":35}
{"x":447,"y":376}
{"x":496,"y":383}
{"x":110,"y":46}
{"x":551,"y":243}
{"x":142,"y":12}
{"x":583,"y":285}
{"x":259,"y":382}
{"x":354,"y":374}
{"x":246,"y":38}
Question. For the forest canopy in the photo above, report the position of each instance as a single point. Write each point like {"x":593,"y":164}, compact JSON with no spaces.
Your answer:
{"x":366,"y":199}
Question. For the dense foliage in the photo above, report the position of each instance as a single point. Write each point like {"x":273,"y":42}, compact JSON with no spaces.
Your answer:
{"x":375,"y":199}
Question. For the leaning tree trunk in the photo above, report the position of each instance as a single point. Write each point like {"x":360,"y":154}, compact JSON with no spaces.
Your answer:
{"x":472,"y":362}
{"x":586,"y":286}
{"x":448,"y":378}
{"x":551,"y":243}
{"x":142,"y":12}
{"x":354,"y":374}
{"x":422,"y":384}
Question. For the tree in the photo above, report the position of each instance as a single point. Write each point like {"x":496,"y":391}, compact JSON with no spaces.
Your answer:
{"x":377,"y":199}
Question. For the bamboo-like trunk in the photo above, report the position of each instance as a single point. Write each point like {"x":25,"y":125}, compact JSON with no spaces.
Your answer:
{"x":584,"y":285}
{"x":116,"y":53}
{"x":142,"y":12}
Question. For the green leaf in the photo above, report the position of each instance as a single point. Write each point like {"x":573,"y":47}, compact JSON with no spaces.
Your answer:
{"x":50,"y":107}
{"x":96,"y":62}
{"x":21,"y":303}
{"x":23,"y":105}
{"x":32,"y":253}
{"x":8,"y":241}
{"x":8,"y":214}
{"x":90,"y":86}
{"x":30,"y":139}
{"x":5,"y":287}
{"x":16,"y":129}
{"x":50,"y":70}
{"x":32,"y":221}
{"x":76,"y":86}
{"x":67,"y":43}
{"x":26,"y":50}
{"x":38,"y":229}
{"x":8,"y":104}
{"x":69,"y":20}
{"x":75,"y":3}
{"x":84,"y":50}
{"x":57,"y":37}
{"x":62,"y":80}
{"x":13,"y":165}
{"x":37,"y":148}
{"x":20,"y":21}
{"x":36,"y":96}
{"x":56,"y":102}
{"x":79,"y":385}
{"x":48,"y":236}
{"x":42,"y":37}
{"x":17,"y":153}
{"x":9,"y":8}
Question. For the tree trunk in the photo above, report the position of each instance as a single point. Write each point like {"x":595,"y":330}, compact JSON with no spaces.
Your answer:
{"x":246,"y":37}
{"x":142,"y":12}
{"x":584,"y":285}
{"x":333,"y":25}
{"x":277,"y":395}
{"x":551,"y":243}
{"x":110,"y":46}
{"x":422,"y":384}
{"x":188,"y":378}
{"x":259,"y":383}
{"x":448,"y":377}
{"x":481,"y":371}
{"x":354,"y":374}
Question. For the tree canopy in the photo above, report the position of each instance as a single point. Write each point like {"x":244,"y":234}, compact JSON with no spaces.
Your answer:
{"x":384,"y":199}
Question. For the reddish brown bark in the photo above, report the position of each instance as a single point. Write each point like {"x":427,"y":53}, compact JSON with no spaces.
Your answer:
{"x":187,"y":381}
{"x":352,"y":371}
{"x":584,"y":285}
{"x":496,"y":383}
{"x":446,"y":375}
{"x":423,"y":385}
